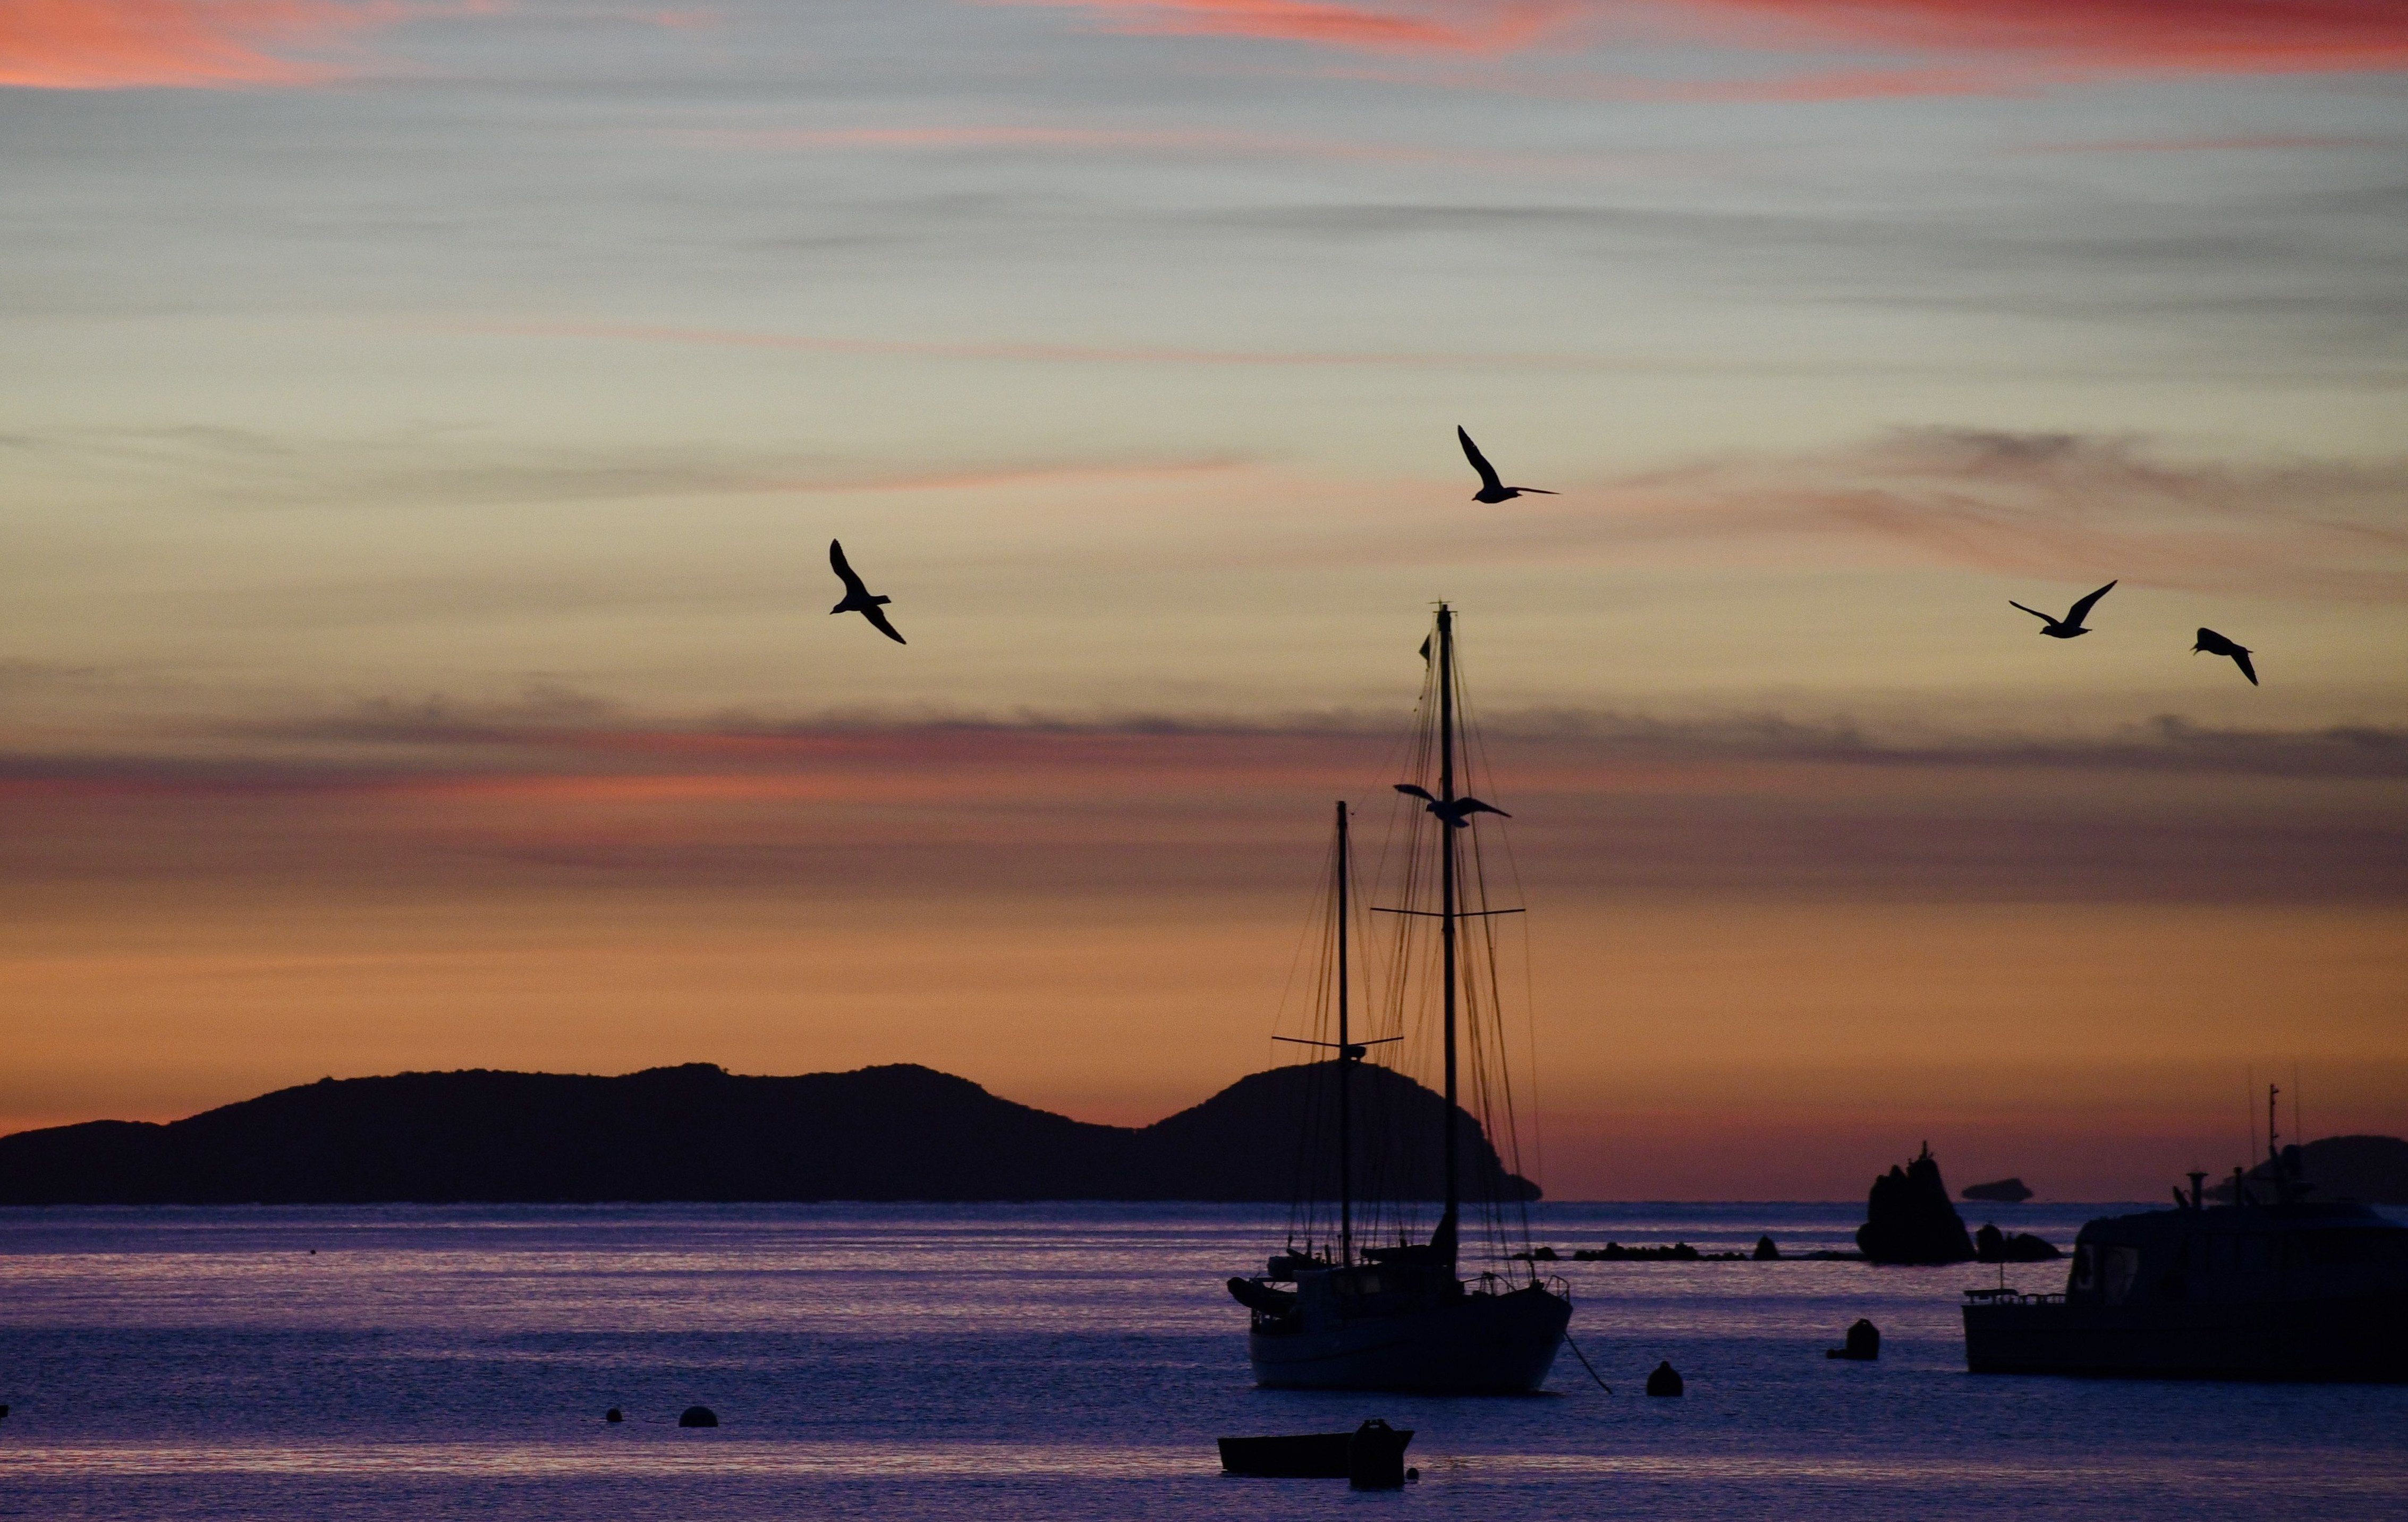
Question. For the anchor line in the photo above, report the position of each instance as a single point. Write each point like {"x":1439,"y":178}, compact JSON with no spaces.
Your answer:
{"x":1585,"y":1364}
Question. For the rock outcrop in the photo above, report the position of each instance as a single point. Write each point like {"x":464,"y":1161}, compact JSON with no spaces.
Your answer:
{"x":1992,"y":1246}
{"x":1907,"y":1218}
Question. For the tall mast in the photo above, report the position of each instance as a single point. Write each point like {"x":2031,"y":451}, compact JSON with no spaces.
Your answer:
{"x":1446,"y":900}
{"x":1345,"y":1069}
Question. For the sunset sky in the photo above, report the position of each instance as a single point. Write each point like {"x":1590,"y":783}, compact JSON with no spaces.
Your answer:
{"x":423,"y":421}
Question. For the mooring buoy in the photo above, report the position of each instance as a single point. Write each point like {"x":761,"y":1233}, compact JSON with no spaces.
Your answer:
{"x":1863,"y":1345}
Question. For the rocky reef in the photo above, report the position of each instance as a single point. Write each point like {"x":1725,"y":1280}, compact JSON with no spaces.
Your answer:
{"x":1992,"y":1246}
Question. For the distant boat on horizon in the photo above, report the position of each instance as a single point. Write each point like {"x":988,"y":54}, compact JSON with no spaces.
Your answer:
{"x":1398,"y":1315}
{"x":1998,"y":1192}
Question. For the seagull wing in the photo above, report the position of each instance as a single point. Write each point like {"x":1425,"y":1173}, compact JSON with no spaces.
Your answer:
{"x":1474,"y":806}
{"x":1488,"y":481}
{"x":877,"y":617}
{"x":2082,"y":610}
{"x":2240,"y":659}
{"x":1410,"y":791}
{"x":852,"y":587}
{"x":1536,"y":491}
{"x":2033,"y":611}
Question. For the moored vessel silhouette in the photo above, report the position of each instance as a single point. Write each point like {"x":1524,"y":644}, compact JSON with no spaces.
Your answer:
{"x":2280,"y":1288}
{"x":1341,"y":1315}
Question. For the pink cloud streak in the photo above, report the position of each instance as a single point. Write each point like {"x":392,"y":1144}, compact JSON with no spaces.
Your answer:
{"x":1455,"y":28}
{"x":2218,"y":36}
{"x":187,"y":44}
{"x":1943,"y":47}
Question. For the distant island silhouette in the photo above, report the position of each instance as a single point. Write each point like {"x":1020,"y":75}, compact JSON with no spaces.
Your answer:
{"x":1999,"y":1191}
{"x":2371,"y":1169}
{"x":699,"y":1133}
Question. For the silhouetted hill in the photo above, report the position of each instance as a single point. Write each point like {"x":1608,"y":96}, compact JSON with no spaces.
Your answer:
{"x":700,"y":1133}
{"x":1282,"y":1126}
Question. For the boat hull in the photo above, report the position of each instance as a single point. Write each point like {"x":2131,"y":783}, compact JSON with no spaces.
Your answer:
{"x":2359,"y":1339}
{"x":1311,"y":1456}
{"x":1468,"y":1344}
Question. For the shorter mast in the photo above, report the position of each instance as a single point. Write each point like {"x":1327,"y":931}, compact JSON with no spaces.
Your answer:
{"x":1345,"y":1069}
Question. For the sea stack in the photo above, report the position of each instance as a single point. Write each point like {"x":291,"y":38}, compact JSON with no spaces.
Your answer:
{"x":1907,"y":1218}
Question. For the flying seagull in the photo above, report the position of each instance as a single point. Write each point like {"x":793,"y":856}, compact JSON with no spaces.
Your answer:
{"x":1456,"y":814}
{"x":2070,"y":624}
{"x":857,"y":598}
{"x":2213,"y":643}
{"x":1491,"y":489}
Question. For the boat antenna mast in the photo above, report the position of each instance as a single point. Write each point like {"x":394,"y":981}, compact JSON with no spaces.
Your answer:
{"x":2274,"y":1147}
{"x":2273,"y":1139}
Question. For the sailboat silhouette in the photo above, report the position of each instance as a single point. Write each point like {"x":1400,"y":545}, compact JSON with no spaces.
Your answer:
{"x":1400,"y":1316}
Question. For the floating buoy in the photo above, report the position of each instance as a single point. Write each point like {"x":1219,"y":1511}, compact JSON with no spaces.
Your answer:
{"x":1863,"y":1343}
{"x":1665,"y":1380}
{"x":698,"y":1416}
{"x":614,"y":1415}
{"x":4,"y":1412}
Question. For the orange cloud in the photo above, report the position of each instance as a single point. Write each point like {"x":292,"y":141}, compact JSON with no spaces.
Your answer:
{"x":192,"y":44}
{"x":1814,"y":939}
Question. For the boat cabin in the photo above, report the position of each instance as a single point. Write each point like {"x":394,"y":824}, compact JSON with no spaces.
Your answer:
{"x":2224,"y":1254}
{"x":1325,"y":1297}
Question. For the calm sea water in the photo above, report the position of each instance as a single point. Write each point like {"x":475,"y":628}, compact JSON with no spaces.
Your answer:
{"x":1039,"y":1361}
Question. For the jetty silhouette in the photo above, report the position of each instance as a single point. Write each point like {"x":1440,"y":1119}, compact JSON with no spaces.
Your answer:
{"x":700,"y":1133}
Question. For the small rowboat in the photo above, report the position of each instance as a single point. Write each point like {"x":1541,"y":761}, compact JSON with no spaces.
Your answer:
{"x":1369,"y":1450}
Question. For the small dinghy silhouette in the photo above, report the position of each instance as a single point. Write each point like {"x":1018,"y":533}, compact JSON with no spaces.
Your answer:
{"x":1372,"y":1455}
